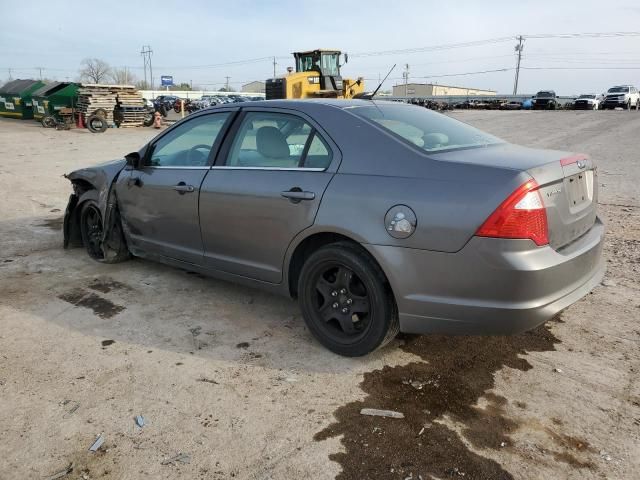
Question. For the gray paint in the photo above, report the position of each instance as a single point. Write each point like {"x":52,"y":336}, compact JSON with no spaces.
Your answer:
{"x":236,"y":225}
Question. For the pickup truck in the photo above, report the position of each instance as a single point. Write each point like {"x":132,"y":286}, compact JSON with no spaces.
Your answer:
{"x":625,"y":96}
{"x":545,"y":100}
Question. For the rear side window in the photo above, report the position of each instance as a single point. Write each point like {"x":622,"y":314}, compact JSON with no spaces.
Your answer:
{"x":277,"y":140}
{"x":423,"y":128}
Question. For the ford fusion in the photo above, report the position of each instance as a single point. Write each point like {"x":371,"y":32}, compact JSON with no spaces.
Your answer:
{"x":378,"y":217}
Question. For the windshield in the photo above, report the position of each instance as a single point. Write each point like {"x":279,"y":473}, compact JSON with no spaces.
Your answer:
{"x":587,"y":96}
{"x":328,"y":63}
{"x":545,"y":94}
{"x":423,"y":128}
{"x":618,"y":90}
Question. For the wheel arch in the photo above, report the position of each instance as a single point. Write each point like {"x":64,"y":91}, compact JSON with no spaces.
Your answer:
{"x":311,"y":243}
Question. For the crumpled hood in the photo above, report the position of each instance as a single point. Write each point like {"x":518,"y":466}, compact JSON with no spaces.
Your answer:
{"x":107,"y":170}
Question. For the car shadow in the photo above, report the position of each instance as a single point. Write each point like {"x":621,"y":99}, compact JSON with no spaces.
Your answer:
{"x":158,"y":307}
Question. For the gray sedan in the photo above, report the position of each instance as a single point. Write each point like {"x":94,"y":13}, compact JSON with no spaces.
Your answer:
{"x":378,"y":217}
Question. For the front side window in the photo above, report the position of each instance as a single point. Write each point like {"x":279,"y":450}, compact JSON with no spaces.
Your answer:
{"x":423,"y":128}
{"x":189,"y":144}
{"x":277,"y":140}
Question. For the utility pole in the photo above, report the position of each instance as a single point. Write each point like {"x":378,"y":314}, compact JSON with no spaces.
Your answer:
{"x":227,"y":82}
{"x":146,"y":57}
{"x":274,"y":67}
{"x":518,"y":49}
{"x":405,"y":74}
{"x":40,"y":70}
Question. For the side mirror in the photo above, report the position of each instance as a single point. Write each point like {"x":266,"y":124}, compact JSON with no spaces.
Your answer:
{"x":346,"y":58}
{"x":133,"y":160}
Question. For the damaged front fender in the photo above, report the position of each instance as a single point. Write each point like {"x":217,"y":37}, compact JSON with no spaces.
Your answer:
{"x":93,"y":183}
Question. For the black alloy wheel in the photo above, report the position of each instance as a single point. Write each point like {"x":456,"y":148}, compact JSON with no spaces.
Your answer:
{"x":346,"y":302}
{"x":91,"y":229}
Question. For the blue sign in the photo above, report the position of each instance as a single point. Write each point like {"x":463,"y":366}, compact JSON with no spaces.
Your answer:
{"x":166,"y":80}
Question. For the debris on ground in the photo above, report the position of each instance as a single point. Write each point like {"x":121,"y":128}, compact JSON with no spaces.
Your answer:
{"x":207,"y":380}
{"x":71,"y":410}
{"x":97,"y":444}
{"x":605,"y":456}
{"x":557,"y":370}
{"x":195,"y":332}
{"x":180,"y":457}
{"x":62,"y":473}
{"x":608,"y":283}
{"x":243,"y":345}
{"x":381,"y":413}
{"x":140,"y":421}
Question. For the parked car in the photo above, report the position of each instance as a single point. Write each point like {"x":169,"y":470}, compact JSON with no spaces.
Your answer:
{"x":545,"y":100}
{"x":379,"y":217}
{"x":625,"y":96}
{"x":511,"y":106}
{"x":587,"y":101}
{"x":168,"y":101}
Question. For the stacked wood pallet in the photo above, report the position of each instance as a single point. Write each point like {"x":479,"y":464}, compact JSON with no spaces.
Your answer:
{"x":93,"y":97}
{"x":132,"y":105}
{"x":96,"y":97}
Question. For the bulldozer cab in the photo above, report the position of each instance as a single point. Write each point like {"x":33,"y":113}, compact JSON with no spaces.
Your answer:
{"x":325,"y":62}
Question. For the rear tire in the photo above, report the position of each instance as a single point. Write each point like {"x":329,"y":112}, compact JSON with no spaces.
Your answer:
{"x":346,"y":301}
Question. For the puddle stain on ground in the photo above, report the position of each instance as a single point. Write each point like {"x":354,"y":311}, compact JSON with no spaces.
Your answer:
{"x":100,"y":306}
{"x":52,"y":223}
{"x":457,"y":372}
{"x":106,"y":285}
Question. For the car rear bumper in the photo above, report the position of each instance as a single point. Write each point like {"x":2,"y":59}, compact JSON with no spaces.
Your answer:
{"x":491,"y":286}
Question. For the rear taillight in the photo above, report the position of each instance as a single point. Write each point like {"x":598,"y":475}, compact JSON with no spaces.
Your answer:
{"x":521,"y":215}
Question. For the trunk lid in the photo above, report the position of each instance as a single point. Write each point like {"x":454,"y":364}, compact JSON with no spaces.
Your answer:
{"x":569,"y":190}
{"x":568,"y":183}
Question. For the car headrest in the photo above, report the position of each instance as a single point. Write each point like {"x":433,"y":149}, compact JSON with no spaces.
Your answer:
{"x":271,"y":143}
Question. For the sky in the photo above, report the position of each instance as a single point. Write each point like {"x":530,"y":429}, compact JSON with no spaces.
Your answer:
{"x":205,"y":41}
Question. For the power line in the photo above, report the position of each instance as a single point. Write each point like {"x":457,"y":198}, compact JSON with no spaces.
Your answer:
{"x":433,"y":47}
{"x":584,"y":35}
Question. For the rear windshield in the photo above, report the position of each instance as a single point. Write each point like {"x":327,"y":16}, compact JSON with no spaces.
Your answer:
{"x":587,"y":96}
{"x":424,"y":128}
{"x":545,"y":94}
{"x":619,"y":90}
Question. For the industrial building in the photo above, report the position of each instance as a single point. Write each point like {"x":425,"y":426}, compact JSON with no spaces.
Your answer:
{"x":433,"y":90}
{"x":254,"y":87}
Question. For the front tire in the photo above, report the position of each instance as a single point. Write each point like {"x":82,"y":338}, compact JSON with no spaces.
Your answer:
{"x":114,"y":249}
{"x":346,"y":301}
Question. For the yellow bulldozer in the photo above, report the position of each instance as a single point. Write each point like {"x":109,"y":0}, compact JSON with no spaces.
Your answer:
{"x":317,"y":75}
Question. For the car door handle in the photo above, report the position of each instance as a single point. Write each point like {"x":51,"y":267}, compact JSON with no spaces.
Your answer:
{"x":296,"y":195}
{"x":183,"y":188}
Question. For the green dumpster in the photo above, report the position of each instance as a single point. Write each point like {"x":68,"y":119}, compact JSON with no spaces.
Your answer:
{"x":50,"y":99}
{"x":15,"y":98}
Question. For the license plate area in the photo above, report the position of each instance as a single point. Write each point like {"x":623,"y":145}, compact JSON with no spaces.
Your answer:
{"x":579,"y":188}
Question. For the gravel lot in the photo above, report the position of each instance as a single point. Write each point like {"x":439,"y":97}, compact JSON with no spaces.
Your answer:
{"x":231,"y":377}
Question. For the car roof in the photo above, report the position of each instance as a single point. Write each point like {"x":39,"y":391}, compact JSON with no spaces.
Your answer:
{"x":331,"y":102}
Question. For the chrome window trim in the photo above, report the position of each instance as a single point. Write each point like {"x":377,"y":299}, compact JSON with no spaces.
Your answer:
{"x":279,"y":169}
{"x":177,"y":167}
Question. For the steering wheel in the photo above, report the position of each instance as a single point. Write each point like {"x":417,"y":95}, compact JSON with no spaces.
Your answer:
{"x":195,"y":157}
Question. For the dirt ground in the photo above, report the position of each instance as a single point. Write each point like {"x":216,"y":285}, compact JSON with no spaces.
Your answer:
{"x":231,"y":378}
